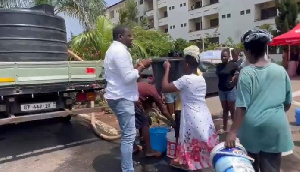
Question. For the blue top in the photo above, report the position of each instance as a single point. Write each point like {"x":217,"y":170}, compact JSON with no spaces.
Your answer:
{"x":263,"y":91}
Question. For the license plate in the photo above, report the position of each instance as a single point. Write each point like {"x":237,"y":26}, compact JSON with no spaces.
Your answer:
{"x":38,"y":106}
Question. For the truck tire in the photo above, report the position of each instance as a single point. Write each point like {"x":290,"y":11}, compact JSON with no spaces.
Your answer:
{"x":67,"y":119}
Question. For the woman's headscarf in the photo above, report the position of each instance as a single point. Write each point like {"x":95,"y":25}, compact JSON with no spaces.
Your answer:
{"x":256,"y":34}
{"x":193,"y":51}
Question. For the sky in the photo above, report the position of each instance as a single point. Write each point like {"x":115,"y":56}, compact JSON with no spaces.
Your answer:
{"x":72,"y":24}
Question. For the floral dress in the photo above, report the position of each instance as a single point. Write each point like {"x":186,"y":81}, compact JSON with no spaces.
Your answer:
{"x":197,"y":135}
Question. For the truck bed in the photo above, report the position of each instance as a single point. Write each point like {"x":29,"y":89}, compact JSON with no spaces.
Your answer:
{"x":44,"y":77}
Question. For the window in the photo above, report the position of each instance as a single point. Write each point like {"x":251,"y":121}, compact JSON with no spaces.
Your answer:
{"x":214,"y":22}
{"x":184,"y":4}
{"x":180,"y":5}
{"x":173,"y":26}
{"x":214,"y":1}
{"x":268,"y":13}
{"x":112,"y":14}
{"x":141,"y":2}
{"x":173,"y":7}
{"x":199,"y":26}
{"x":181,"y":25}
{"x":228,"y":15}
{"x":248,"y":11}
{"x":223,"y":16}
{"x":184,"y":24}
{"x":242,"y":12}
{"x":207,"y":67}
{"x":165,"y":14}
{"x":198,"y":4}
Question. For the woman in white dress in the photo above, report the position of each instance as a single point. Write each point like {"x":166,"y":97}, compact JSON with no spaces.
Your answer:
{"x":197,"y":136}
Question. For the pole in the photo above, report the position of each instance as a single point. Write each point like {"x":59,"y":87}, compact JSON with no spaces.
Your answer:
{"x":202,"y":44}
{"x":267,"y":50}
{"x":289,"y":54}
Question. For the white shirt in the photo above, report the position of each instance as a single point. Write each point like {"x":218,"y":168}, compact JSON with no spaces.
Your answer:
{"x":120,"y":75}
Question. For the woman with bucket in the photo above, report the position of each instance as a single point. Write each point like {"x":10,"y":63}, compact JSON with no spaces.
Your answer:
{"x":197,"y":136}
{"x":263,"y":97}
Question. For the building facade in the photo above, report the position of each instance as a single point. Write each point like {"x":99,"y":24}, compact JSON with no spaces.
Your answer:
{"x":195,"y":20}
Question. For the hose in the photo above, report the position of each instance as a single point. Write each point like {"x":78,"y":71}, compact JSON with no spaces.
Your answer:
{"x":97,"y":126}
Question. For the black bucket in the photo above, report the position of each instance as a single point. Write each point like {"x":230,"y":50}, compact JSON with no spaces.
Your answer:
{"x":176,"y":70}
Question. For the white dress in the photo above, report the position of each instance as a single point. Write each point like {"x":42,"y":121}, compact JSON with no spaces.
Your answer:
{"x":197,"y":136}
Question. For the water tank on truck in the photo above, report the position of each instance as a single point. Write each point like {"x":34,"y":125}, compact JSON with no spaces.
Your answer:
{"x":32,"y":35}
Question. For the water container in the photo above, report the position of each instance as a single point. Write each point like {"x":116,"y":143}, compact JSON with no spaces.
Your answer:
{"x":171,"y":145}
{"x":176,"y":70}
{"x":34,"y":34}
{"x":158,"y":138}
{"x":231,"y":159}
{"x":297,"y":116}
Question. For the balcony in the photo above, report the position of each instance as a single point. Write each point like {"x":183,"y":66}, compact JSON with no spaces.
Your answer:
{"x":150,"y":13}
{"x":203,"y":11}
{"x":194,"y":35}
{"x":161,"y":3}
{"x":270,"y":21}
{"x":162,"y":21}
{"x":261,"y":1}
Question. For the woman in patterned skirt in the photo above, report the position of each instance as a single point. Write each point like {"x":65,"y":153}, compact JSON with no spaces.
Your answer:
{"x":197,"y":136}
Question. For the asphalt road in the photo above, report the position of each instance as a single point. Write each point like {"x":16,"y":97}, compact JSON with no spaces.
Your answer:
{"x":54,"y":146}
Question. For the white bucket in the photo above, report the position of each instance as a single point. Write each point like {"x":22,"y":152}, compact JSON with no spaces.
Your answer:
{"x":171,"y":141}
{"x":231,"y":159}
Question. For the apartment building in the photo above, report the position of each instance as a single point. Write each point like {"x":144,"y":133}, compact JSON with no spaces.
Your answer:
{"x":194,"y":20}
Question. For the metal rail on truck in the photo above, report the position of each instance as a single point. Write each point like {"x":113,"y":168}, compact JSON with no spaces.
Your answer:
{"x":47,"y":115}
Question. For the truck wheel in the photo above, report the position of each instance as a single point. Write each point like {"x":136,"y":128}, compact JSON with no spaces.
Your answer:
{"x":67,"y":119}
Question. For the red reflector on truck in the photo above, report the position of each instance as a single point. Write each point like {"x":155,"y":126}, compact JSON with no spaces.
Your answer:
{"x":90,"y":70}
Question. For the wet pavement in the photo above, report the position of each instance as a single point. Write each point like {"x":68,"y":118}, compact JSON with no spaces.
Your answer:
{"x":54,"y":146}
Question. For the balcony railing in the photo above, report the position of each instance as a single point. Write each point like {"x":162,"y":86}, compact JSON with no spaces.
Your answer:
{"x":200,"y":5}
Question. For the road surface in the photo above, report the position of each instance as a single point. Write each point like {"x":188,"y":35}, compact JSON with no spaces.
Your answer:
{"x":54,"y":146}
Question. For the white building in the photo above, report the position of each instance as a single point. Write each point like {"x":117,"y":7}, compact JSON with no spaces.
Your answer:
{"x":194,"y":20}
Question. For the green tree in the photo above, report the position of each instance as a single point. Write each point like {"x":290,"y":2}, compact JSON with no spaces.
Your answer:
{"x":129,"y":13}
{"x":86,"y":11}
{"x":156,"y":43}
{"x":268,"y":28}
{"x":92,"y":44}
{"x":180,"y":44}
{"x":287,"y":16}
{"x":230,"y":43}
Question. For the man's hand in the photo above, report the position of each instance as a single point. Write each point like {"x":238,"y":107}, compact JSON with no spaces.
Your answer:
{"x":146,"y":63}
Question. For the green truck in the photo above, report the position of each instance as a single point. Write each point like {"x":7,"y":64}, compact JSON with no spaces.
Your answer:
{"x":36,"y":79}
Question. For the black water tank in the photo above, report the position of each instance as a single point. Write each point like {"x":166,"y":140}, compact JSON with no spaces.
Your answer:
{"x":176,"y":70}
{"x":35,"y":34}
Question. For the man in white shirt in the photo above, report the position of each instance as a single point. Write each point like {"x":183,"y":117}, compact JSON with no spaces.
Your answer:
{"x":122,"y":89}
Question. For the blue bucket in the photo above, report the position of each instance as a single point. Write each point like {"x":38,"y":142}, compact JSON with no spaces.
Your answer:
{"x":231,"y":159}
{"x":158,"y":138}
{"x":297,"y":116}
